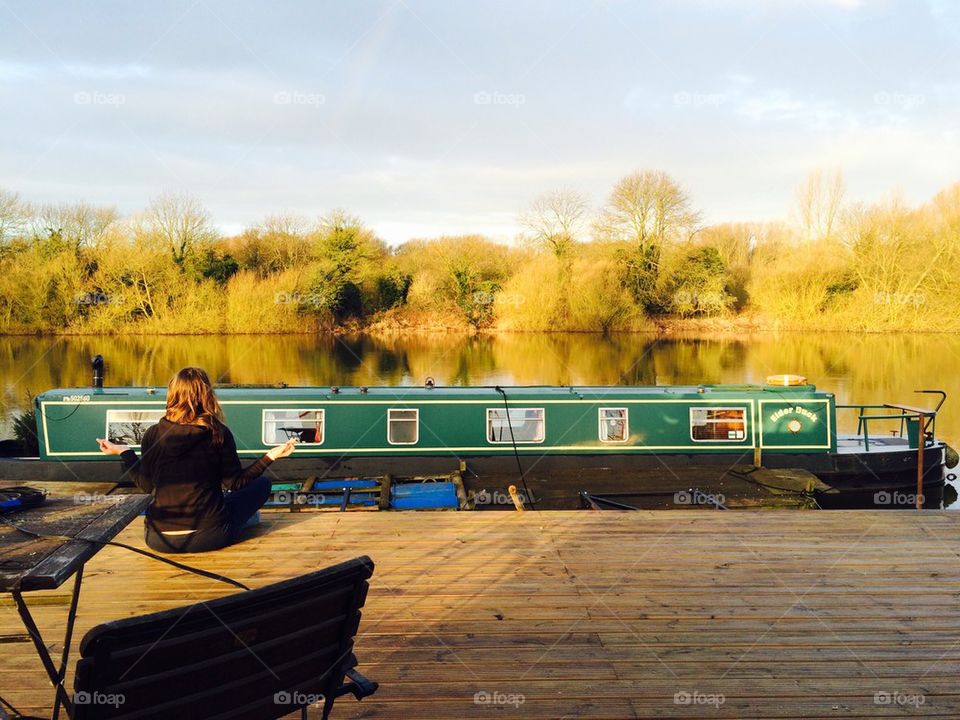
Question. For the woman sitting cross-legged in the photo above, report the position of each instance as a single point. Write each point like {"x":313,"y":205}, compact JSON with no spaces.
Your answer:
{"x":186,"y":460}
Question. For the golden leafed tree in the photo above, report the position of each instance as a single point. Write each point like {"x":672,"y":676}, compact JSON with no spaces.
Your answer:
{"x":79,"y":225}
{"x":819,"y":200}
{"x":647,"y":207}
{"x":181,"y":222}
{"x":555,"y":220}
{"x":13,"y":215}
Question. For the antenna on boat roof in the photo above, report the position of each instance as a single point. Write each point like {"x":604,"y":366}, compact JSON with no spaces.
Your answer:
{"x":97,"y":364}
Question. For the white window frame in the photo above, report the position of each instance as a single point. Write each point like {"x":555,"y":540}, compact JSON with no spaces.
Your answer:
{"x":263,"y":424}
{"x":626,"y":424}
{"x":114,"y":411}
{"x":509,"y":440}
{"x":741,"y":408}
{"x":415,"y":420}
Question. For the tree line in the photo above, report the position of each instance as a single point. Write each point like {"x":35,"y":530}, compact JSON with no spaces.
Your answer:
{"x":642,"y":259}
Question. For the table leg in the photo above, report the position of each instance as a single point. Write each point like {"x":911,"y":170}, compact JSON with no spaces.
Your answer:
{"x":67,"y":639}
{"x":56,"y":676}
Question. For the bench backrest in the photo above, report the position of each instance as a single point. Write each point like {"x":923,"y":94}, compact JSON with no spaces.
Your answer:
{"x":255,"y":654}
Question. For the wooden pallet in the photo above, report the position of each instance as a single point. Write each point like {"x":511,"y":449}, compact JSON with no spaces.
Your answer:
{"x":353,"y":493}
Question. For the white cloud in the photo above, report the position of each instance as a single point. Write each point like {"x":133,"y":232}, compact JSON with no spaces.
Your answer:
{"x":845,"y":4}
{"x":10,"y":71}
{"x":774,"y":5}
{"x":755,"y":94}
{"x":107,"y":71}
{"x":773,"y":104}
{"x":811,"y":114}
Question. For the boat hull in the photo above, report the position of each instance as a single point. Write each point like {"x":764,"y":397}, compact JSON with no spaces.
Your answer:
{"x":557,"y":481}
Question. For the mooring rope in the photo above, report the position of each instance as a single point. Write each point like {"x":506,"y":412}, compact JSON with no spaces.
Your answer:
{"x":516,"y":451}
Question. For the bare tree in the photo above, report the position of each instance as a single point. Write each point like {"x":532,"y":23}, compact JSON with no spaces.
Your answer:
{"x":898,"y":254}
{"x":182,"y":223}
{"x":647,"y":207}
{"x":284,"y":226}
{"x":946,"y":206}
{"x":555,"y":220}
{"x":819,"y":199}
{"x":286,"y":237}
{"x":340,"y":221}
{"x":79,"y":224}
{"x":12,"y":215}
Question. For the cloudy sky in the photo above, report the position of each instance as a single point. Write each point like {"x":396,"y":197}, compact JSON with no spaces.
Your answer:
{"x":448,"y":117}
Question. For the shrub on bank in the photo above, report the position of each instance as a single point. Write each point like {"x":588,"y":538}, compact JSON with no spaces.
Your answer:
{"x":877,"y":267}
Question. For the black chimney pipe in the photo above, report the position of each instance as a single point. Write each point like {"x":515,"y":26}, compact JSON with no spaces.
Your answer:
{"x":98,"y":371}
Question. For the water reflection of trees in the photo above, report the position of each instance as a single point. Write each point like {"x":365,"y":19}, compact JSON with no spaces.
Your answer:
{"x":858,"y":368}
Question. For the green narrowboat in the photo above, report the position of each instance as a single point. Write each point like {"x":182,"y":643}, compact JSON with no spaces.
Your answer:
{"x":556,"y":441}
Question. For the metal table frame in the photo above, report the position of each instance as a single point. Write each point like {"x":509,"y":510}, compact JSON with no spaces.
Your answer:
{"x":54,"y":569}
{"x":56,"y":675}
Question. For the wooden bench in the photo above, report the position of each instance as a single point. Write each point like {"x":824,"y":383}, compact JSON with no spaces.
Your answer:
{"x":255,"y":655}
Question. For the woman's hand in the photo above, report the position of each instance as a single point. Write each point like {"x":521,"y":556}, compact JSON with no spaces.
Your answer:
{"x":281,"y":451}
{"x":109,"y":448}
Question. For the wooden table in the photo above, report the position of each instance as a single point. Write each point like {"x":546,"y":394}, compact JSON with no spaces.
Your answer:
{"x":37,"y":553}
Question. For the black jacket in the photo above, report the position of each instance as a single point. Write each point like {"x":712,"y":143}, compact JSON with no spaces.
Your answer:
{"x":186,"y":473}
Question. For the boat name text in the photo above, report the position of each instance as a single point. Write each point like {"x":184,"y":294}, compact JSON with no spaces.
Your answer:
{"x":782,"y":413}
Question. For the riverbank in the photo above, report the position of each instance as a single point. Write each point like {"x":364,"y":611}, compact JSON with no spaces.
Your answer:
{"x":411,"y":322}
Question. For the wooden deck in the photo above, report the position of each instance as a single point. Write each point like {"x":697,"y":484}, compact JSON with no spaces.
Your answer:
{"x":779,"y":614}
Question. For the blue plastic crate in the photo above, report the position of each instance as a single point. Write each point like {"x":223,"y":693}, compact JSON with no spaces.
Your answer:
{"x":424,"y":496}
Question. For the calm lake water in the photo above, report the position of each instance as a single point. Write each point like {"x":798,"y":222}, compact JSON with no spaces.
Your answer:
{"x":857,"y":368}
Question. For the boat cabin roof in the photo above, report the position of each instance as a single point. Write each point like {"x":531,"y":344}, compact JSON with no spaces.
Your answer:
{"x":416,"y":393}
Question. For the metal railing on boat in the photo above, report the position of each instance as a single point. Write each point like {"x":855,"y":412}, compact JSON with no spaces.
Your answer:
{"x":906,"y":415}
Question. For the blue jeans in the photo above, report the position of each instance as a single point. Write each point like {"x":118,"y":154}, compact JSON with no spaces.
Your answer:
{"x":238,"y":507}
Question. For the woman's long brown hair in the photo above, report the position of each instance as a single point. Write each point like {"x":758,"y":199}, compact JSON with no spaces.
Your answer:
{"x":191,"y":401}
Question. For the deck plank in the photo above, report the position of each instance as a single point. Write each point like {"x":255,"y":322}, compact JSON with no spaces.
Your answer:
{"x":593,"y":615}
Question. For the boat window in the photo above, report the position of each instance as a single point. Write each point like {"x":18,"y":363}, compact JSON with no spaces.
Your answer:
{"x":281,"y":425}
{"x":126,"y":427}
{"x":718,"y":424}
{"x":613,"y":425}
{"x":527,"y":425}
{"x":403,"y":427}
